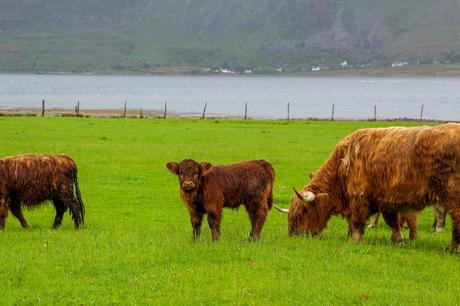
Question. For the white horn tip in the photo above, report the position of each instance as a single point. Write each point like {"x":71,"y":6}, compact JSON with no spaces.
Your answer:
{"x":283,"y":210}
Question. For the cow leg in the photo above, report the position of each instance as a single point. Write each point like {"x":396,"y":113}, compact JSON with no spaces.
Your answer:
{"x":196,"y":219}
{"x":17,"y":212}
{"x":258,"y":215}
{"x":373,"y":220}
{"x":412,"y":221}
{"x":439,"y":219}
{"x":452,"y":206}
{"x":359,"y":215}
{"x":392,"y":219}
{"x":214,"y":218}
{"x":3,"y":213}
{"x":454,"y":246}
{"x":65,"y":195}
{"x":60,"y":210}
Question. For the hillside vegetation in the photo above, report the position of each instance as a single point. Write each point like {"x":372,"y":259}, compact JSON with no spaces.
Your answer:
{"x":145,"y":35}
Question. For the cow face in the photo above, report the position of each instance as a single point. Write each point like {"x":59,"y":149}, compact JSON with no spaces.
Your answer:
{"x":307,"y":213}
{"x":189,"y":172}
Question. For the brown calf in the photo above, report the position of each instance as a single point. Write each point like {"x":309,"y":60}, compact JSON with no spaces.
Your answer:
{"x":31,"y":179}
{"x":207,"y":189}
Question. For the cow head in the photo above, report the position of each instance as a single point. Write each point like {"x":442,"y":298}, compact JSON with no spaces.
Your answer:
{"x":189,"y":172}
{"x":308,"y":212}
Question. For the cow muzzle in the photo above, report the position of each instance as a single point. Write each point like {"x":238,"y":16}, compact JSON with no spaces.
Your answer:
{"x":188,"y":186}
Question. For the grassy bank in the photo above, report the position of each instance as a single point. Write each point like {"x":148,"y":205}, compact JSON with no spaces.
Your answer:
{"x":136,"y":246}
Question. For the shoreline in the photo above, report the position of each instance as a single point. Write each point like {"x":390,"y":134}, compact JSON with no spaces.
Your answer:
{"x":132,"y":113}
{"x":431,"y":70}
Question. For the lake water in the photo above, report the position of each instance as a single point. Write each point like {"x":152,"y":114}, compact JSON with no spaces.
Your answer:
{"x":267,"y":96}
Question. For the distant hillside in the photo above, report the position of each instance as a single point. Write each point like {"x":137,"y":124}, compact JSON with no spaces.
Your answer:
{"x":137,"y":35}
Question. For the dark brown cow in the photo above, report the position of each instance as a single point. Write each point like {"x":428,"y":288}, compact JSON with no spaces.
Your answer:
{"x":31,"y":179}
{"x":207,"y":189}
{"x":438,"y":223}
{"x":407,"y":219}
{"x":390,"y":170}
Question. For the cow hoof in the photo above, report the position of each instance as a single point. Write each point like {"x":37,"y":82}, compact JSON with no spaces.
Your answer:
{"x":437,"y":229}
{"x":453,"y":248}
{"x":253,"y":238}
{"x":397,"y":240}
{"x":356,"y":237}
{"x":372,"y":226}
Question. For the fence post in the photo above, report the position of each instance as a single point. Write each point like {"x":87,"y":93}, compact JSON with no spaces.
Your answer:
{"x":140,"y":115}
{"x":421,"y":113}
{"x":288,"y":111}
{"x":43,"y":108}
{"x":166,"y":108}
{"x":204,"y":110}
{"x":245,"y":110}
{"x":77,"y":109}
{"x":333,"y":108}
{"x":375,"y":112}
{"x":124,"y":111}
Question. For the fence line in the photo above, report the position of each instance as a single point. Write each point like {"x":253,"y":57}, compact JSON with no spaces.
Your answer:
{"x":143,"y":113}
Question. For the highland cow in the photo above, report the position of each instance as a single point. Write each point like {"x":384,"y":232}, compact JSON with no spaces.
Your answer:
{"x":387,"y":170}
{"x":207,"y":189}
{"x":30,"y":180}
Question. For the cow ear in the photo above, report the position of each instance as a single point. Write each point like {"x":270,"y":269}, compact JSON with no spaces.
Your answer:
{"x":205,"y":167}
{"x":172,"y":166}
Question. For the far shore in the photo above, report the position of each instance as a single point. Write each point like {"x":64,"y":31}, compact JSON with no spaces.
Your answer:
{"x":425,"y":70}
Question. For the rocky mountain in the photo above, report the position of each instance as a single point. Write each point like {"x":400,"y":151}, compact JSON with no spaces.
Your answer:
{"x":168,"y":35}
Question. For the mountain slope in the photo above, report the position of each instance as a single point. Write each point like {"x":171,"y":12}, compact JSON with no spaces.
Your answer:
{"x":109,"y":35}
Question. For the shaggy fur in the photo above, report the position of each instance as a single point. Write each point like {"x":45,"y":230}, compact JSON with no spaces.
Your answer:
{"x":387,"y":170}
{"x":31,"y":179}
{"x":207,"y":189}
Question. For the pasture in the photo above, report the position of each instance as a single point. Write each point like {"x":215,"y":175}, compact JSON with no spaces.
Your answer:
{"x":136,"y":246}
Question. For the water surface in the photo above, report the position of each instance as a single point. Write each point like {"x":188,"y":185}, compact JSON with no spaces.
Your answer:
{"x":267,"y":96}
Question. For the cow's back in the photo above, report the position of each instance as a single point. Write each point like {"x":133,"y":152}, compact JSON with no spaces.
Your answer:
{"x":400,"y":165}
{"x":34,"y":177}
{"x":239,"y":183}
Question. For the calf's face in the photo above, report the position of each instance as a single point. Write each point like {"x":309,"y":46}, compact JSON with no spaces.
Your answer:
{"x":189,"y":172}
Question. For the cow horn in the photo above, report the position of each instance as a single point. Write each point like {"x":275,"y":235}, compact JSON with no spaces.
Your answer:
{"x":308,"y":196}
{"x":282,"y":210}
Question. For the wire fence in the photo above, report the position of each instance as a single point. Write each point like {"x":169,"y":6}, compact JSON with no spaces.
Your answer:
{"x":243,"y":110}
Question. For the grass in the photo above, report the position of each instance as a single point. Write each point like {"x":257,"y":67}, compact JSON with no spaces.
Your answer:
{"x":136,"y":247}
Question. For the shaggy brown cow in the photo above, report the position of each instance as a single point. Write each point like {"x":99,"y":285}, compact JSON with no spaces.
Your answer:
{"x":207,"y":189}
{"x":31,"y":179}
{"x":390,"y":170}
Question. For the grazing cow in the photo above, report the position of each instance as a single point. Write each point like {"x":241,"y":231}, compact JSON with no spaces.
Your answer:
{"x":207,"y":189}
{"x":31,"y":179}
{"x":387,"y":170}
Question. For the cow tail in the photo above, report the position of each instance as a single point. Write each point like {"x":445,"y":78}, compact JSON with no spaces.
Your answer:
{"x":79,"y":206}
{"x":271,"y":170}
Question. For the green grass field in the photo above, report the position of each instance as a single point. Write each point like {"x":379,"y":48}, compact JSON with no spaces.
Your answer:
{"x":136,"y":246}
